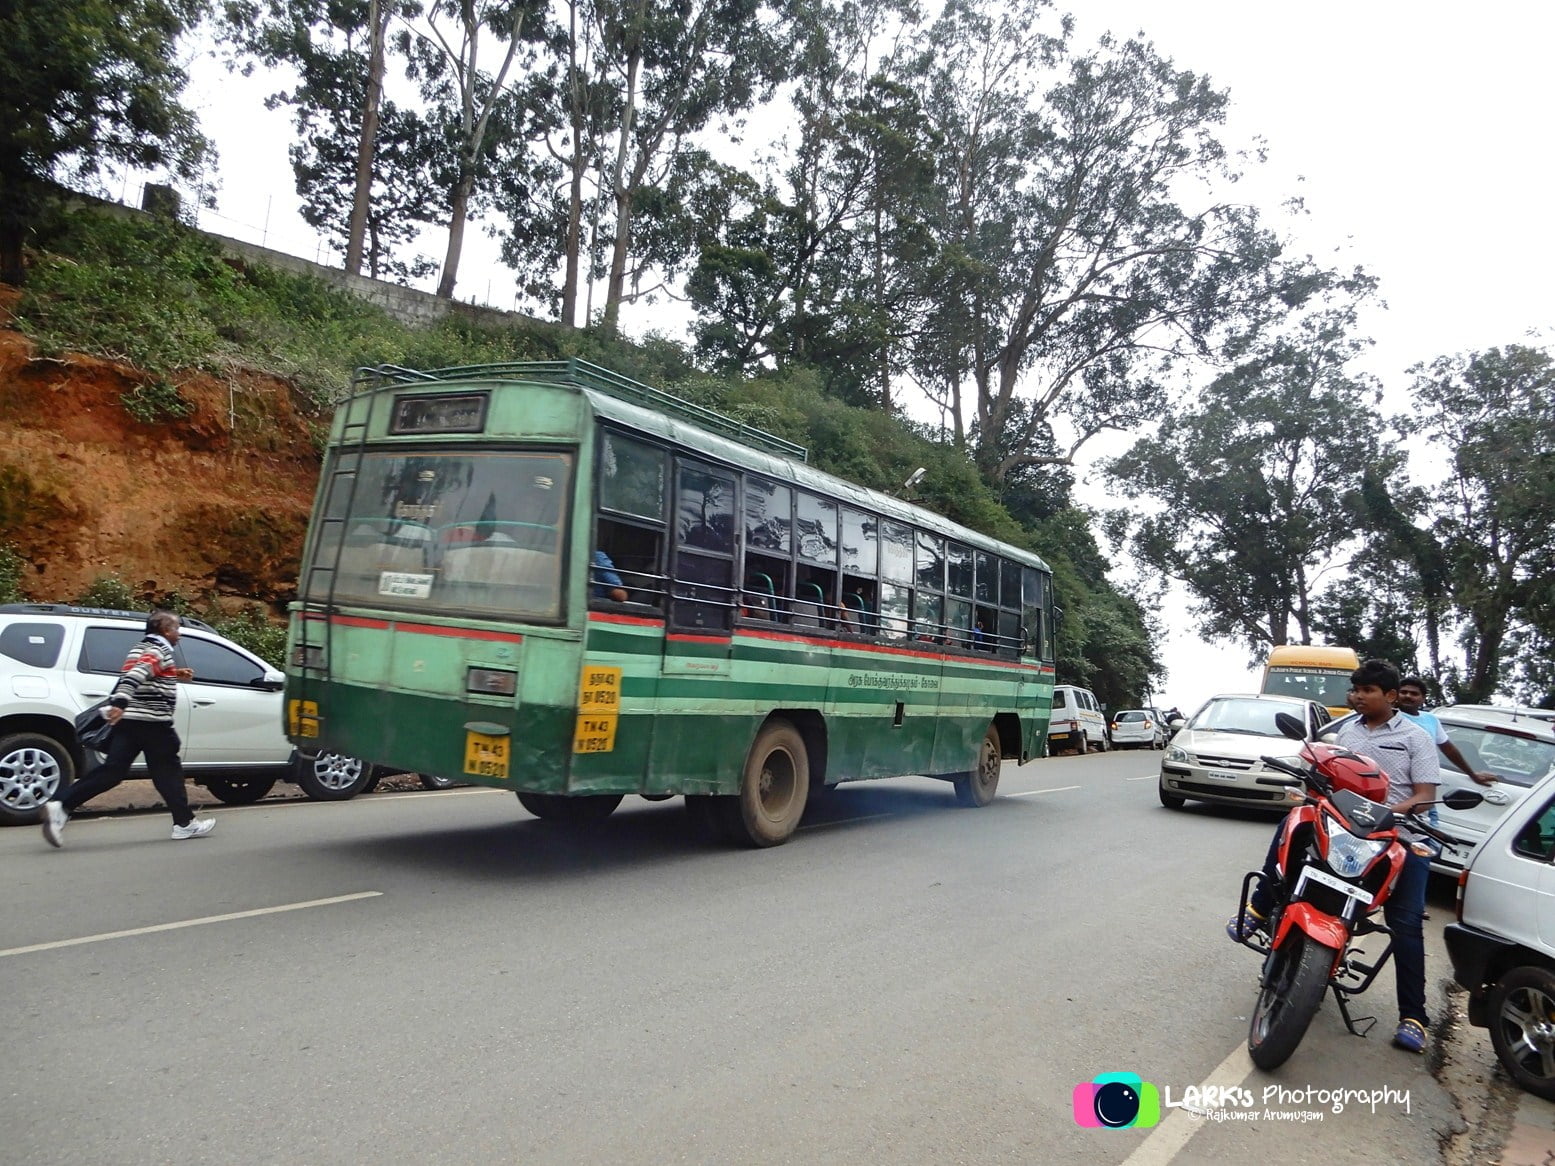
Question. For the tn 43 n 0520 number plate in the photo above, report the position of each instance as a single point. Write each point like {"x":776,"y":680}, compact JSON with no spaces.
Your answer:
{"x":485,"y":754}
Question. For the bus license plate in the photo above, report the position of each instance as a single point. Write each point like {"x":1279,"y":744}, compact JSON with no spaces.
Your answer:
{"x":485,"y":755}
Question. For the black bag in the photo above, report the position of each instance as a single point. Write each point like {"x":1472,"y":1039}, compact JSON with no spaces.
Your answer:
{"x":93,"y":730}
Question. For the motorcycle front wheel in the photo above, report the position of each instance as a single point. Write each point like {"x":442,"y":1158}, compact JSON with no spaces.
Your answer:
{"x":1293,"y":985}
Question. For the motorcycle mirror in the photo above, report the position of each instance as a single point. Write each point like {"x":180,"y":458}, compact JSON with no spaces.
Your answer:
{"x":1290,"y":726}
{"x":1462,"y":799}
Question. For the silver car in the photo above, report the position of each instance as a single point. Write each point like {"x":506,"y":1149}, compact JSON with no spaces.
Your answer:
{"x":1215,"y":756}
{"x":1517,"y":748}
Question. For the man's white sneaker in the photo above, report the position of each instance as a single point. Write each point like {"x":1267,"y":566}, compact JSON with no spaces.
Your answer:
{"x":198,"y":828}
{"x":54,"y":819}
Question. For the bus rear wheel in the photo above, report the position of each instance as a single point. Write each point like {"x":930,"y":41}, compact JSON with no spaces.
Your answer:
{"x":570,"y":811}
{"x":773,"y":789}
{"x":979,"y":787}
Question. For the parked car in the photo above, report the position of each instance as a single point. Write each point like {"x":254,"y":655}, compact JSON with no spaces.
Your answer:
{"x":1138,"y":729}
{"x":1503,"y":945}
{"x":1215,"y":756}
{"x":1518,"y":749}
{"x":1077,"y":722}
{"x":57,"y":660}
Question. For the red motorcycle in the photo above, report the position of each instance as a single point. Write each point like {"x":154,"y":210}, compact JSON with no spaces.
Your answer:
{"x":1339,"y":860}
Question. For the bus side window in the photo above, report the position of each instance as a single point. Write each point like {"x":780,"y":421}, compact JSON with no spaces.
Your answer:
{"x":633,"y":552}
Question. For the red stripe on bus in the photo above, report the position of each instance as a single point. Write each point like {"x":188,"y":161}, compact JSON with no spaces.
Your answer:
{"x":350,"y":621}
{"x":427,"y":629}
{"x":420,"y":629}
{"x":684,"y":639}
{"x":634,"y":620}
{"x":883,"y":649}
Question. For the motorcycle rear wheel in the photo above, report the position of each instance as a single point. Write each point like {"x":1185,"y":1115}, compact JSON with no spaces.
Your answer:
{"x":1293,"y":987}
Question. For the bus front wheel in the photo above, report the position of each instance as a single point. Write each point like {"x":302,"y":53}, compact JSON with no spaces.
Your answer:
{"x":773,"y":788}
{"x":979,"y":787}
{"x":570,"y":811}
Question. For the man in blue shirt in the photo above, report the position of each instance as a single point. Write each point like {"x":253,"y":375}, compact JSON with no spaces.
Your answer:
{"x":1411,"y":702}
{"x":606,"y":579}
{"x":1406,"y":755}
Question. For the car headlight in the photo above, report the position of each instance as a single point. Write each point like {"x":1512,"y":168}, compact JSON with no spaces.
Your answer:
{"x":1173,"y":753}
{"x":1349,"y":855}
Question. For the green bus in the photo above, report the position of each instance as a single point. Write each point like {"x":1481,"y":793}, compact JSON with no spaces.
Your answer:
{"x":548,"y":578}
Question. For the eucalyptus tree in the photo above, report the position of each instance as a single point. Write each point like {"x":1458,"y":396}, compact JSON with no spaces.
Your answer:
{"x":818,"y":261}
{"x":1489,"y":520}
{"x":87,"y":85}
{"x":1256,"y":486}
{"x":1072,"y":266}
{"x":673,"y":71}
{"x":370,"y":170}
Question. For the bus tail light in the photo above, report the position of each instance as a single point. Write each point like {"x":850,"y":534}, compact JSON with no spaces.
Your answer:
{"x":491,"y":681}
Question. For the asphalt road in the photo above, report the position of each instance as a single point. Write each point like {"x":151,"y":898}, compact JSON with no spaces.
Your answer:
{"x":441,"y":978}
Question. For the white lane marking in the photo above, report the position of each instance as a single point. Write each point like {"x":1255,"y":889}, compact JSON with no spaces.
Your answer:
{"x":1166,"y":1141}
{"x":1031,"y":792}
{"x":1147,"y":777}
{"x":188,"y":923}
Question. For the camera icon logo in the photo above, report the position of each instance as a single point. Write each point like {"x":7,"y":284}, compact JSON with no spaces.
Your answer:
{"x":1117,"y":1101}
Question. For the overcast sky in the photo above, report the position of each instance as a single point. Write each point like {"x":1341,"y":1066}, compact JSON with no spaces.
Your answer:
{"x":1419,"y":136}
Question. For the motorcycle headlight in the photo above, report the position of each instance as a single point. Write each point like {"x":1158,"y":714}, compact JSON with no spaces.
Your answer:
{"x":1173,"y":753}
{"x":1348,"y":855}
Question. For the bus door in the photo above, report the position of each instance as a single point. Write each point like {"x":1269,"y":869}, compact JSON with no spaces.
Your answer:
{"x":702,"y":584}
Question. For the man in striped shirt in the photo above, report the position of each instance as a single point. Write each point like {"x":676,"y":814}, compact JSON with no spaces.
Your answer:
{"x":141,"y":709}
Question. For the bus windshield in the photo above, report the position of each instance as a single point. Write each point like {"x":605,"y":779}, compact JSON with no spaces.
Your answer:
{"x":477,"y":533}
{"x":1327,"y":686}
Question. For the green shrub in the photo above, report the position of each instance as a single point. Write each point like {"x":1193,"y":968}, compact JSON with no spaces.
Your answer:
{"x":111,"y":592}
{"x":12,"y":567}
{"x":254,"y":630}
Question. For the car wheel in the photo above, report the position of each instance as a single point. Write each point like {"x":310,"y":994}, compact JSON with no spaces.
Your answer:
{"x":1169,"y":800}
{"x":1522,"y":1028}
{"x":33,"y":769}
{"x":239,"y":791}
{"x":432,"y":781}
{"x":331,"y":777}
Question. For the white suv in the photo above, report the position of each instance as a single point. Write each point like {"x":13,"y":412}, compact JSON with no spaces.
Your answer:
{"x":56,"y":660}
{"x":1503,"y":945}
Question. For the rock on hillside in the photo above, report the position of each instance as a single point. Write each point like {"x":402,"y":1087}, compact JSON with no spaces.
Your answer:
{"x":214,"y":501}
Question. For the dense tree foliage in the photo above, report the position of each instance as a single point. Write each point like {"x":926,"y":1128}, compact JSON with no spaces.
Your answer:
{"x":1488,"y":524}
{"x":84,"y":85}
{"x":1258,"y":482}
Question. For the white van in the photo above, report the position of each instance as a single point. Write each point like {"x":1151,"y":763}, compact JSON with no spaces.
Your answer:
{"x":1503,"y":945}
{"x":1077,"y":722}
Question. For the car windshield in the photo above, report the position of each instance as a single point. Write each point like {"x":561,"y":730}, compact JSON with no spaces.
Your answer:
{"x":1130,"y":716}
{"x":1243,"y":715}
{"x":475,"y":532}
{"x":1512,"y":757}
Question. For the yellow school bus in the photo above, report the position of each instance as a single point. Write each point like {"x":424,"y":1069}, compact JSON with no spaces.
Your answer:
{"x":1311,"y":672}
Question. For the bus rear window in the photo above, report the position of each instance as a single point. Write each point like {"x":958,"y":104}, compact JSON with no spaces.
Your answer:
{"x":458,"y":533}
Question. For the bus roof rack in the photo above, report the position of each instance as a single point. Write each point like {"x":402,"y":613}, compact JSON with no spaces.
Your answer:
{"x":588,"y":376}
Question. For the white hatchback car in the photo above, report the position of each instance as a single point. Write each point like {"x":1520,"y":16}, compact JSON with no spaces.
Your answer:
{"x":1503,"y":944}
{"x":57,"y":660}
{"x":1138,"y":729}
